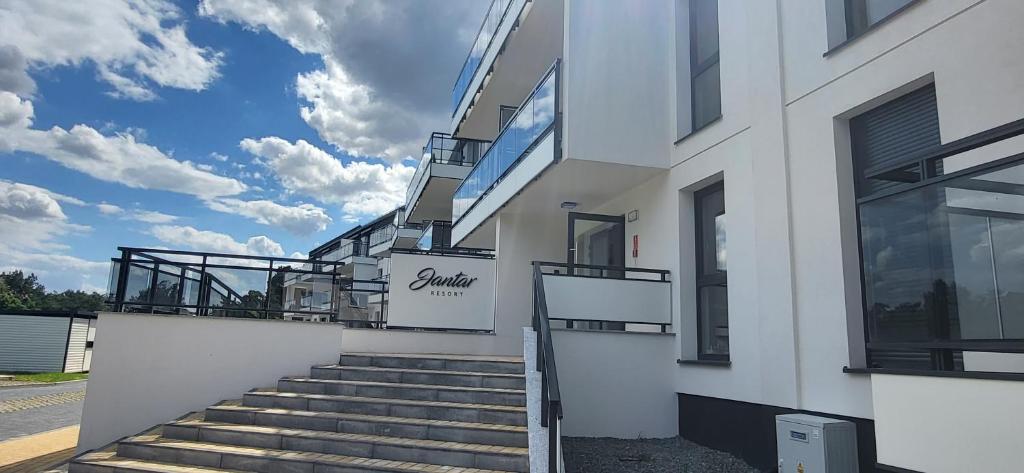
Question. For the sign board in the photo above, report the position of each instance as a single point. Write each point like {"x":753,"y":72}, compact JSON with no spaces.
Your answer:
{"x":441,"y":292}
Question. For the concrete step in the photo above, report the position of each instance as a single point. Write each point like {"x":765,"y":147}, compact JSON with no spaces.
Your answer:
{"x":437,"y":410}
{"x":204,"y":454}
{"x":404,"y":427}
{"x":466,"y":455}
{"x":441,"y":362}
{"x":109,"y":462}
{"x":419,"y":376}
{"x":421,"y":392}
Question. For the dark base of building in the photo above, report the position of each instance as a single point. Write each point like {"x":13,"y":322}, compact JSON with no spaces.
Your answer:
{"x":747,"y":430}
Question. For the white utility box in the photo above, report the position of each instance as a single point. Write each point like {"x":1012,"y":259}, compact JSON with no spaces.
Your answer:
{"x":811,"y":444}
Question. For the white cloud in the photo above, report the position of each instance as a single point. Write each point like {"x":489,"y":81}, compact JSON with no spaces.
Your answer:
{"x":109,"y":209}
{"x":149,"y":216}
{"x":13,"y":72}
{"x":361,"y":188}
{"x":219,"y":157}
{"x":372,"y":98}
{"x":14,"y":112}
{"x":145,"y":216}
{"x":302,"y":219}
{"x":134,"y":44}
{"x":213,"y":242}
{"x":113,"y":158}
{"x":31,"y":221}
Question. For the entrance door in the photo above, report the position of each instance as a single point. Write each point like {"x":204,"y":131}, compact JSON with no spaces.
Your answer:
{"x":597,"y":240}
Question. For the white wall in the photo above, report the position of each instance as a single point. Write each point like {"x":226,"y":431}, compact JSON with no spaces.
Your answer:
{"x":150,"y":369}
{"x":617,"y":70}
{"x":612,"y":384}
{"x":502,"y":343}
{"x":950,"y":425}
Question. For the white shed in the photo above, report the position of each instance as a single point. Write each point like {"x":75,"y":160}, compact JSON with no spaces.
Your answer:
{"x":46,"y":341}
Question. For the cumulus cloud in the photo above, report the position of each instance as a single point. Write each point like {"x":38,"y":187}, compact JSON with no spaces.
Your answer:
{"x":373,"y":97}
{"x":214,"y":242}
{"x":361,"y":188}
{"x":14,"y":72}
{"x":302,"y":219}
{"x":116,"y":158}
{"x":31,"y":222}
{"x":134,"y":44}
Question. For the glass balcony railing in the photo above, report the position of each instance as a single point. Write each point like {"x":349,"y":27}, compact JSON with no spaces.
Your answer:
{"x":441,"y":148}
{"x":534,"y":119}
{"x":382,"y":235}
{"x":484,"y":38}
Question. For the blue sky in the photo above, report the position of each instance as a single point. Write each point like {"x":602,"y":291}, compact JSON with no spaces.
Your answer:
{"x":262,"y":126}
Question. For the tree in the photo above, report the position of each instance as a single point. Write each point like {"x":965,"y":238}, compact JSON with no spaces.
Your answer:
{"x":21,"y":292}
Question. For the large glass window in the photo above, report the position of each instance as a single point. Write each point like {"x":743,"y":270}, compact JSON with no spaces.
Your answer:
{"x":942,"y":244}
{"x":705,"y":87}
{"x":712,"y":289}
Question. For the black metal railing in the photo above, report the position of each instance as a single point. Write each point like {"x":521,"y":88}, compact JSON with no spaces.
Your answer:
{"x":457,"y":251}
{"x":551,"y":396}
{"x":442,"y":148}
{"x":627,"y":273}
{"x":146,"y":280}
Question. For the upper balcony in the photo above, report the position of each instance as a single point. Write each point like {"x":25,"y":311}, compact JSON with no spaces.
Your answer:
{"x":446,"y":162}
{"x":528,"y":143}
{"x":381,"y":238}
{"x":517,"y":41}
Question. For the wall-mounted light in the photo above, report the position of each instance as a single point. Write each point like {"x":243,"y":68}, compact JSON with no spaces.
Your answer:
{"x":569,"y":205}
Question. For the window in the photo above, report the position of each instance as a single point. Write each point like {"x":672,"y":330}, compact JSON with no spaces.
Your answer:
{"x":941,"y":238}
{"x":698,"y":84}
{"x":505,"y":114}
{"x":848,"y":19}
{"x":705,"y":93}
{"x":712,"y":290}
{"x":863,"y":14}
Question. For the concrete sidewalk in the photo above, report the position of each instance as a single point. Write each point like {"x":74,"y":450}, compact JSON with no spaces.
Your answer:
{"x":38,"y":452}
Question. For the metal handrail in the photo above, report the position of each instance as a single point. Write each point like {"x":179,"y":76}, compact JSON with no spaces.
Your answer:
{"x":551,"y":396}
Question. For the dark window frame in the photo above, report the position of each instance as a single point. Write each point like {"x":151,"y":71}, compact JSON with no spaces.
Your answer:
{"x":697,"y":68}
{"x":918,"y":171}
{"x":719,"y":278}
{"x":502,"y":109}
{"x":851,"y":37}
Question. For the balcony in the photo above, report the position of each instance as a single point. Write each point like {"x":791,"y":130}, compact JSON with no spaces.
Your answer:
{"x":485,"y":47}
{"x":380,"y":240}
{"x":346,"y":253}
{"x":530,"y":137}
{"x":446,"y":162}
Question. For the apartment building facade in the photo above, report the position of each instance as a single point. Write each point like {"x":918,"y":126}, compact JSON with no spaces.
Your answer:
{"x":711,"y":213}
{"x":830,"y":184}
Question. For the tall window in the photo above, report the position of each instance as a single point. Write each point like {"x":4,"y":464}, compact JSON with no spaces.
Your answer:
{"x":863,"y":14}
{"x":712,"y":290}
{"x":941,"y":238}
{"x":705,"y":89}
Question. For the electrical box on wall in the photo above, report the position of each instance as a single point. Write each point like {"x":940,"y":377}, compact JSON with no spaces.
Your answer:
{"x":812,"y":444}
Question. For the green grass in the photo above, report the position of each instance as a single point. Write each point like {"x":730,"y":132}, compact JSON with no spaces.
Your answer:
{"x":49,"y":377}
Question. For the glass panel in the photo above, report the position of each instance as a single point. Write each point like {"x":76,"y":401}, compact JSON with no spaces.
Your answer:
{"x":705,"y":23}
{"x":237,"y":289}
{"x":510,"y":145}
{"x":483,"y":39}
{"x":707,"y":97}
{"x":598,"y":243}
{"x":712,"y":228}
{"x":140,"y":278}
{"x":166,"y":291}
{"x":945,"y":261}
{"x":714,"y":320}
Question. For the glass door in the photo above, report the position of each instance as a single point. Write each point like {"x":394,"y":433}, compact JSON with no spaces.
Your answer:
{"x":597,"y":240}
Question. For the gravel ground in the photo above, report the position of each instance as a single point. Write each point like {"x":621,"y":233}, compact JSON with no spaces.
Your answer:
{"x":676,"y":455}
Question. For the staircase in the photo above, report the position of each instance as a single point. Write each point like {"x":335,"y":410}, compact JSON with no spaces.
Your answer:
{"x":369,"y":413}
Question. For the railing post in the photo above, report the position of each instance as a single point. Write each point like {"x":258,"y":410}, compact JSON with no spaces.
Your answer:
{"x":203,"y":298}
{"x":553,"y":441}
{"x":266,"y":298}
{"x":122,"y":280}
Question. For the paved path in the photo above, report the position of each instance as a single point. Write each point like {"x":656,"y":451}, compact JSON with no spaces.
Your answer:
{"x":32,"y":409}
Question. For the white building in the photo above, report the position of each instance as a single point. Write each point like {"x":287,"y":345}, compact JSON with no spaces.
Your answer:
{"x":727,"y":211}
{"x":816,"y":138}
